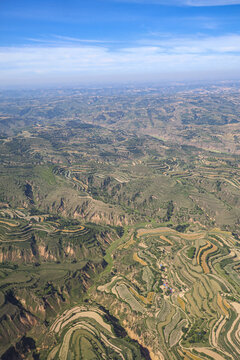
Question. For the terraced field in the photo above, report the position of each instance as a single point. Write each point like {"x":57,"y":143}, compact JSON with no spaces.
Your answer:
{"x":119,"y":215}
{"x":85,"y":333}
{"x":187,"y":304}
{"x":36,"y":238}
{"x":176,"y":293}
{"x":55,"y":260}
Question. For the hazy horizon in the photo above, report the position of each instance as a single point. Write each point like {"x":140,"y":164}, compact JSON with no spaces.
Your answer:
{"x":55,"y":43}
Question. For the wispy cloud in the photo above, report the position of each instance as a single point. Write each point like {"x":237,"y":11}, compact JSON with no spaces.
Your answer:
{"x":196,"y":44}
{"x":210,"y":2}
{"x":73,"y":39}
{"x":59,"y":40}
{"x":193,"y":3}
{"x":167,"y":55}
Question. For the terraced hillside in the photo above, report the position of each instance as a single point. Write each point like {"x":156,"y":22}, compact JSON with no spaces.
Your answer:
{"x":90,"y":332}
{"x":54,"y":260}
{"x":119,"y":179}
{"x":120,"y":224}
{"x":177,"y":293}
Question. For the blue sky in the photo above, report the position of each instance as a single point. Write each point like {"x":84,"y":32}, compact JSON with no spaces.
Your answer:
{"x":79,"y":41}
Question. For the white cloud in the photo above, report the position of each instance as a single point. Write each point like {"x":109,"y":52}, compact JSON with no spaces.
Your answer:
{"x":210,"y":2}
{"x":186,"y":2}
{"x":169,"y":55}
{"x":199,"y":44}
{"x":73,"y":39}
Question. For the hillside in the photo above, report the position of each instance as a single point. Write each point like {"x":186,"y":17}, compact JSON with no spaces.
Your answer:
{"x":120,"y":223}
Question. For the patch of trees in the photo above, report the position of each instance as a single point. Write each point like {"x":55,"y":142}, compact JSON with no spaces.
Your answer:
{"x":191,"y":252}
{"x":170,"y":209}
{"x":181,"y":227}
{"x":120,"y":230}
{"x":236,"y":236}
{"x":196,"y":334}
{"x":35,"y":211}
{"x":218,"y":185}
{"x":34,"y":246}
{"x":28,"y":192}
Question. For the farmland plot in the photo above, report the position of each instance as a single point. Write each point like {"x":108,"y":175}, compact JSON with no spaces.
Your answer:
{"x":183,"y":290}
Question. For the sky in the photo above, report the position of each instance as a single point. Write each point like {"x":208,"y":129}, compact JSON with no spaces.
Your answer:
{"x":75,"y":42}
